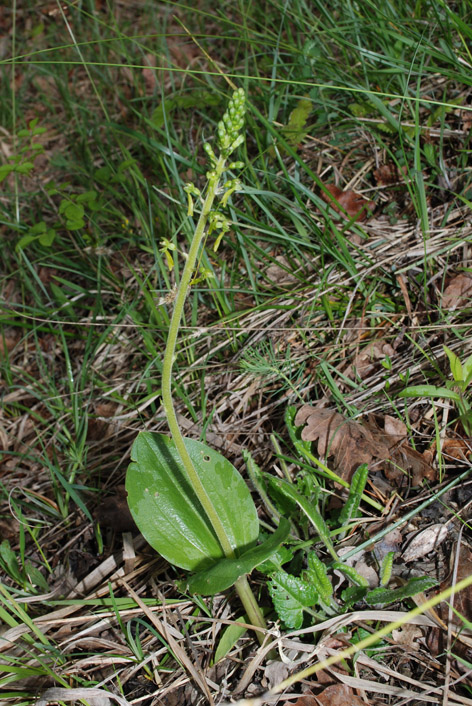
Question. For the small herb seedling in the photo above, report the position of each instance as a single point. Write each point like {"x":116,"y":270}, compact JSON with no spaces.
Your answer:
{"x":189,"y":502}
{"x":455,"y":389}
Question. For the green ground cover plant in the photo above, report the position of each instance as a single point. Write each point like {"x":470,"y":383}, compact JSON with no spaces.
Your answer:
{"x":335,"y":275}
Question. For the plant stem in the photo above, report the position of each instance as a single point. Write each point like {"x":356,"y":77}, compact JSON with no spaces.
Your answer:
{"x":169,"y":360}
{"x":247,"y":598}
{"x":242,"y":586}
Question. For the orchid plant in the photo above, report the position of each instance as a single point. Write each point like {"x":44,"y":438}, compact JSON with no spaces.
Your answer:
{"x":190,"y":503}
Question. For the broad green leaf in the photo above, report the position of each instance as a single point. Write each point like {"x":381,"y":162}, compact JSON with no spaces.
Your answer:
{"x":86,"y":197}
{"x":167,"y":511}
{"x":47,"y":238}
{"x":5,"y":170}
{"x":226,"y":572}
{"x":73,"y":211}
{"x":11,"y":562}
{"x":290,"y":596}
{"x":359,"y":110}
{"x":455,"y":364}
{"x":75,"y":225}
{"x":24,"y":241}
{"x":38,"y":228}
{"x":303,"y":447}
{"x":383,"y":596}
{"x":36,"y":577}
{"x":24,"y":168}
{"x":352,"y":595}
{"x":429,"y":391}
{"x":294,"y":131}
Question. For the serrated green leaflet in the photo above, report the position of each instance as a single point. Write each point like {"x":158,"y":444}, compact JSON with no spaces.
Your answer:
{"x":227,"y":571}
{"x":167,"y":511}
{"x":383,"y":596}
{"x":291,"y":595}
{"x":358,"y":482}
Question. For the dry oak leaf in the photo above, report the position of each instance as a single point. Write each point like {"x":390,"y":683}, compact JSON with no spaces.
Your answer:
{"x":347,"y":203}
{"x":352,"y":443}
{"x":458,"y":292}
{"x":348,"y":442}
{"x":403,"y":459}
{"x":459,"y":449}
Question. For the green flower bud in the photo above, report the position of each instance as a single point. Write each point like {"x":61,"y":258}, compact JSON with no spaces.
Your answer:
{"x":209,"y":150}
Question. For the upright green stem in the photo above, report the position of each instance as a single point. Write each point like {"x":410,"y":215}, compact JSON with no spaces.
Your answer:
{"x":242,"y":586}
{"x":169,"y":356}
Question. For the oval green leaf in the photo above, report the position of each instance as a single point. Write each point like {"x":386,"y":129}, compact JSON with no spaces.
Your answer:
{"x":227,"y":571}
{"x":168,"y":512}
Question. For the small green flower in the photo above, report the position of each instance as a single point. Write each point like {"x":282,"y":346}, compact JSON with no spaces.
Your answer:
{"x":231,"y":186}
{"x":166,"y":249}
{"x":191,"y":190}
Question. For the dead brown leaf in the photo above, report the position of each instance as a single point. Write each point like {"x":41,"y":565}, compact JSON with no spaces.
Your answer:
{"x":105,"y":409}
{"x":348,"y":442}
{"x":351,"y":443}
{"x":305,"y":700}
{"x":406,"y":460}
{"x":7,"y":342}
{"x":46,"y":274}
{"x":458,"y":292}
{"x":458,"y":449}
{"x":10,"y":529}
{"x":347,"y":203}
{"x":339,"y":695}
{"x":183,"y":53}
{"x":280,"y":272}
{"x":387,"y":174}
{"x":367,"y":359}
{"x":425,"y":542}
{"x":408,"y":636}
{"x":390,"y":543}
